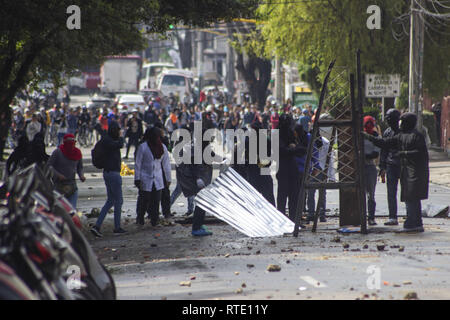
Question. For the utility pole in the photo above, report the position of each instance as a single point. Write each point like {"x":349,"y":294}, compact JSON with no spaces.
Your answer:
{"x":416,"y":49}
{"x":278,"y":80}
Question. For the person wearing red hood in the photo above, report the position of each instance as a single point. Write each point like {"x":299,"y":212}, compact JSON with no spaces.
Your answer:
{"x":66,"y":161}
{"x":371,"y":152}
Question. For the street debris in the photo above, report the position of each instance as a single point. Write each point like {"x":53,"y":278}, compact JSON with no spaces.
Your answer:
{"x":346,"y":246}
{"x":227,"y":255}
{"x":411,"y":296}
{"x":239,"y":291}
{"x":336,"y":239}
{"x":273,"y":268}
{"x":250,"y":265}
{"x":185,"y":283}
{"x":407,"y":282}
{"x":236,"y":273}
{"x":302,"y":288}
{"x":380,"y":247}
{"x":125,"y":170}
{"x":232,"y":199}
{"x":243,"y":285}
{"x":401,"y":249}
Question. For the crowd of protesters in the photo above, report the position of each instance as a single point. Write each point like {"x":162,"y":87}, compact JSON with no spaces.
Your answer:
{"x":149,"y":131}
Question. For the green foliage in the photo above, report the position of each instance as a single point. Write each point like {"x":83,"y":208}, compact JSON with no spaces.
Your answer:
{"x":429,"y":121}
{"x":317,"y":32}
{"x":36,"y":44}
{"x":403,"y":100}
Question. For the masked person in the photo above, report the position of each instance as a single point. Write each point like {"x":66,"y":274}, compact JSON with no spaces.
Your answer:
{"x":152,"y":165}
{"x":371,"y":152}
{"x":112,"y":143}
{"x":194,"y":177}
{"x":414,"y":170}
{"x":66,"y":161}
{"x":390,"y":166}
{"x":288,"y":175}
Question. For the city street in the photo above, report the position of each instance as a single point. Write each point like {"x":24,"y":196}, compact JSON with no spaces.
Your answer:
{"x":151,"y":262}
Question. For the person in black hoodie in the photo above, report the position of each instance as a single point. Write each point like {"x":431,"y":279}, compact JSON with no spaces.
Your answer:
{"x":414,"y":170}
{"x":390,"y":166}
{"x":112,"y":143}
{"x":288,"y":175}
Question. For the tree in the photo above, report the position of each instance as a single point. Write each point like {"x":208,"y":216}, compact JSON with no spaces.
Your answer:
{"x":316,"y":32}
{"x":252,"y":62}
{"x":35,"y":42}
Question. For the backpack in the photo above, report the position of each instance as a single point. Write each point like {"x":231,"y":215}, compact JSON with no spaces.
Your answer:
{"x":99,"y":155}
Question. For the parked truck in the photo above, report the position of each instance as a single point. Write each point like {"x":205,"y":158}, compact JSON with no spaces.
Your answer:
{"x":120,"y":74}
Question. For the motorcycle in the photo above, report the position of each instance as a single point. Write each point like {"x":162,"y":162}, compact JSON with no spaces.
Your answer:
{"x":42,"y":241}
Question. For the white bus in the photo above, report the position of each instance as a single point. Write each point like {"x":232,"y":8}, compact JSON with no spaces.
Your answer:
{"x":150,"y":72}
{"x":179,"y":82}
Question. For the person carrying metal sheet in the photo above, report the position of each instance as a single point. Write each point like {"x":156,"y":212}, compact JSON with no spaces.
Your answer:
{"x":194,"y":177}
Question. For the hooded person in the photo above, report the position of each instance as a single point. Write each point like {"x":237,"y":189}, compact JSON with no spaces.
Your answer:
{"x":20,"y":157}
{"x":262,"y":183}
{"x":193,"y":177}
{"x":66,"y":162}
{"x":112,"y":143}
{"x":390,"y":166}
{"x":414,"y":170}
{"x":152,"y":174}
{"x":371,"y":153}
{"x":288,"y":175}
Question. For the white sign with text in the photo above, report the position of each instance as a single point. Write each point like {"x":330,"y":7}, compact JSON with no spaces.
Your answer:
{"x":379,"y":85}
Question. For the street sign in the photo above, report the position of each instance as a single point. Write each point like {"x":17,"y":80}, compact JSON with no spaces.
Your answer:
{"x":382,"y":86}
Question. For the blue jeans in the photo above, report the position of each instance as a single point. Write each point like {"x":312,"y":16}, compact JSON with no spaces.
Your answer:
{"x":73,"y":199}
{"x":312,"y":201}
{"x":371,"y":183}
{"x":113,"y":182}
{"x":392,"y":178}
{"x":176,"y":193}
{"x":60,"y":138}
{"x":413,"y":214}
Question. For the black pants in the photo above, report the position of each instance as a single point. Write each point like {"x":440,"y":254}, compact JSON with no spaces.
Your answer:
{"x":198,"y":219}
{"x":289,"y":189}
{"x":2,"y":148}
{"x":262,"y":183}
{"x":165,"y":199}
{"x":148,"y":201}
{"x":132,"y":141}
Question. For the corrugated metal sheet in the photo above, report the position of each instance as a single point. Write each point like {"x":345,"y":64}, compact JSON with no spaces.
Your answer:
{"x":232,"y":199}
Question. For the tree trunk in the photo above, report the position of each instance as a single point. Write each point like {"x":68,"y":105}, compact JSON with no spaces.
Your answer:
{"x":256,"y":72}
{"x":185,"y":47}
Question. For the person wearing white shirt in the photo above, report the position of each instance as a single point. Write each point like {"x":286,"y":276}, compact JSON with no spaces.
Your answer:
{"x":33,"y":127}
{"x":322,"y":176}
{"x":152,"y":159}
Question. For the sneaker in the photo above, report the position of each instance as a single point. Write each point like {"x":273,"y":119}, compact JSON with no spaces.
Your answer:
{"x":187,"y":214}
{"x":204,"y":228}
{"x":323,"y":219}
{"x":119,"y":231}
{"x":201,"y":233}
{"x":96,"y":231}
{"x":372,"y":222}
{"x":391,"y":222}
{"x":410,"y":230}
